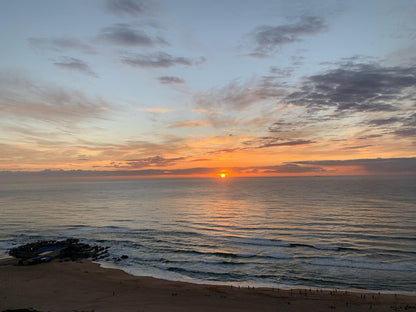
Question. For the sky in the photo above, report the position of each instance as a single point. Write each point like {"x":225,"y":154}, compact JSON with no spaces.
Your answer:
{"x":199,"y":88}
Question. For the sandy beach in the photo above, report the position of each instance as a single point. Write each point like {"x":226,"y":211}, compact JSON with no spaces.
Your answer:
{"x":85,"y":286}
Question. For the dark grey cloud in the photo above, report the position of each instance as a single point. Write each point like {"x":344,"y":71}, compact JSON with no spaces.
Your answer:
{"x":383,"y":122}
{"x":170,"y":80}
{"x":283,"y":126}
{"x":276,"y":142}
{"x":158,"y":60}
{"x":129,"y":7}
{"x":268,"y":38}
{"x":62,"y":44}
{"x":356,"y":147}
{"x":406,"y":132}
{"x":127,"y":35}
{"x":373,"y":166}
{"x":75,"y":64}
{"x":370,"y":136}
{"x":411,"y":120}
{"x":403,"y":126}
{"x":271,"y":141}
{"x":357,"y":87}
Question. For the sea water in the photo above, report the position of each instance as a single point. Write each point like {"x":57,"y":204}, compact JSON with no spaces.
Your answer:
{"x":327,"y":232}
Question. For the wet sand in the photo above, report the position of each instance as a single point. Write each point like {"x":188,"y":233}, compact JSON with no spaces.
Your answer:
{"x":85,"y":286}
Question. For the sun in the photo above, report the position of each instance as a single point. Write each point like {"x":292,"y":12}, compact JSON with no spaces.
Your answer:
{"x":223,"y":174}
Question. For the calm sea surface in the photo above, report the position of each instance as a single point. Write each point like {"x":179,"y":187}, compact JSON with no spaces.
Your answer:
{"x":329,"y":232}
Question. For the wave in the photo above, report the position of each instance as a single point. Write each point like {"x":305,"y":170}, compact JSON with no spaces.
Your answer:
{"x":215,"y":253}
{"x":260,"y":248}
{"x":260,"y":242}
{"x":202,"y":263}
{"x":279,"y":243}
{"x":257,"y":241}
{"x":213,"y":276}
{"x":363,"y":264}
{"x":320,"y":247}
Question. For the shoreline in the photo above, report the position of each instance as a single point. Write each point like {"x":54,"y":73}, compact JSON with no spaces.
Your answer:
{"x":87,"y":286}
{"x":111,"y":265}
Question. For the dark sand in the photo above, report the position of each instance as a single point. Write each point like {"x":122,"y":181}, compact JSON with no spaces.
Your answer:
{"x":85,"y":286}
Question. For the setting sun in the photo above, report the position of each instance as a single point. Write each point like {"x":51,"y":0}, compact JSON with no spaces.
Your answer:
{"x":222,"y":174}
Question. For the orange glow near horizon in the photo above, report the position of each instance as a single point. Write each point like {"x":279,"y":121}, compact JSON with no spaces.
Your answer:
{"x":223,"y":174}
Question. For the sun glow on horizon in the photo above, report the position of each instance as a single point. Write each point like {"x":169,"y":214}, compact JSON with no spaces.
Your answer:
{"x":223,"y":174}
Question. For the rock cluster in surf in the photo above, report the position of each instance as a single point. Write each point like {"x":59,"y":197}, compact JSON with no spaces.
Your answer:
{"x":44,"y":251}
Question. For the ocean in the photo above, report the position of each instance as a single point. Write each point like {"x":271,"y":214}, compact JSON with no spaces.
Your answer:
{"x":356,"y":232}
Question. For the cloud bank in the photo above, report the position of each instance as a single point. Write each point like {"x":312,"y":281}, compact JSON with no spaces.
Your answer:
{"x":358,"y":88}
{"x":327,"y":167}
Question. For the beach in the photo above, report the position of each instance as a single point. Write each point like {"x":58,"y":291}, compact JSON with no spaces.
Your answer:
{"x":86,"y":286}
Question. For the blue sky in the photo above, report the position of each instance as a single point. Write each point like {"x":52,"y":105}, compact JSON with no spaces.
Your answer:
{"x":252,"y":87}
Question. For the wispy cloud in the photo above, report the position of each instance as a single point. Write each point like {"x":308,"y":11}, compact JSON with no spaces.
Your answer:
{"x":268,"y":39}
{"x":61,"y":44}
{"x":127,"y":35}
{"x":271,"y":141}
{"x":291,"y":168}
{"x":157,"y":110}
{"x":402,"y":125}
{"x":158,"y":60}
{"x":21,"y":97}
{"x":366,"y":97}
{"x":238,"y":96}
{"x":70,"y":63}
{"x":170,"y":80}
{"x":113,"y":154}
{"x":406,"y":132}
{"x":281,"y":72}
{"x":384,"y":122}
{"x":133,"y":8}
{"x":186,"y":124}
{"x":155,"y":161}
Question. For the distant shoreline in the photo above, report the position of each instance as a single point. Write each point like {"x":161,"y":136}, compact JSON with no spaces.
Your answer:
{"x":86,"y":286}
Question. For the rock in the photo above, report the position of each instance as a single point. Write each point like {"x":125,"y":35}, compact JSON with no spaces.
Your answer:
{"x":44,"y":251}
{"x":124,"y":257}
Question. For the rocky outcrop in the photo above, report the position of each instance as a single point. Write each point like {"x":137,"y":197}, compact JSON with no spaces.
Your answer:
{"x":44,"y":251}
